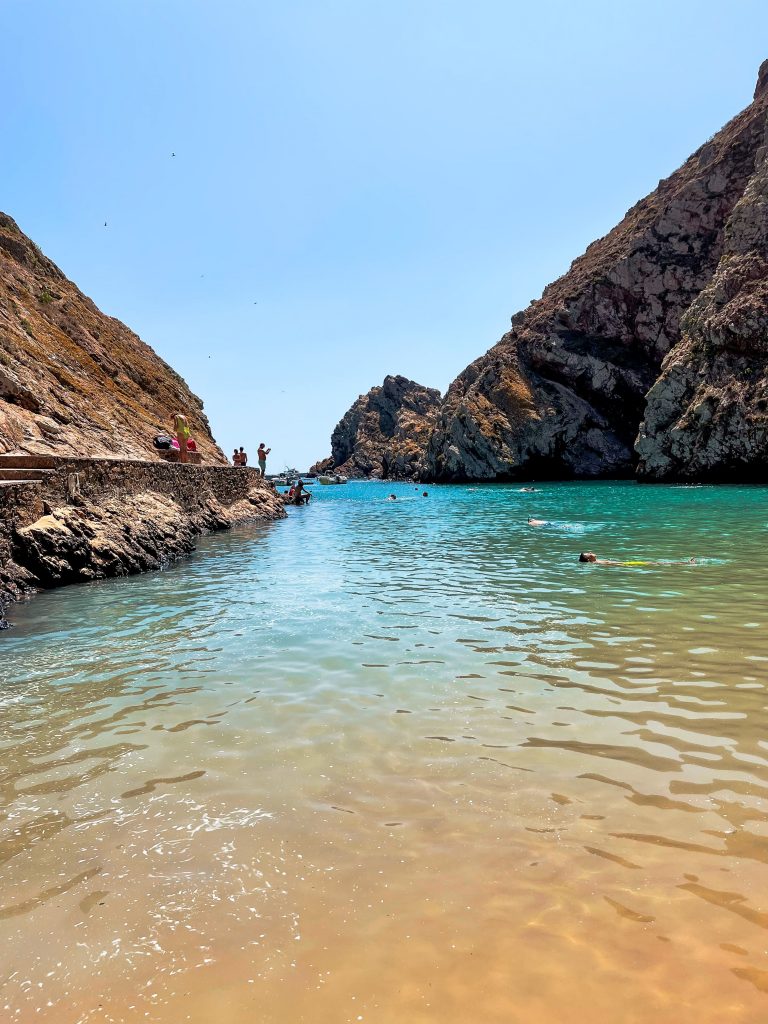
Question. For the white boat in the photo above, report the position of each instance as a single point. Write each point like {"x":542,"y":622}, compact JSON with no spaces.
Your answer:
{"x":332,"y":479}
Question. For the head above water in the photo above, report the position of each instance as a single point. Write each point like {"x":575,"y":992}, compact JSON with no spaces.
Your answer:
{"x":587,"y":556}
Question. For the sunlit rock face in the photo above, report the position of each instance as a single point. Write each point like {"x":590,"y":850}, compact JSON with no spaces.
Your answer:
{"x":385,"y":432}
{"x":670,"y":302}
{"x":74,"y":381}
{"x":707,"y":414}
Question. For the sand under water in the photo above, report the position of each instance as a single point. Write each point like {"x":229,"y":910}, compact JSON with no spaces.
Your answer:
{"x":399,"y":762}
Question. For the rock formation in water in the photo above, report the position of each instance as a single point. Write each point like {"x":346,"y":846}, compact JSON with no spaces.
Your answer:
{"x":385,"y":433}
{"x":671,"y":302}
{"x":72,"y":380}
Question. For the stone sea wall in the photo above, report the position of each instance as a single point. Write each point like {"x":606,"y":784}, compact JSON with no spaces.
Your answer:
{"x":95,"y":518}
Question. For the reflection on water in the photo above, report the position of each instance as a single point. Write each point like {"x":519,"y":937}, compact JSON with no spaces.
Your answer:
{"x":400,"y":761}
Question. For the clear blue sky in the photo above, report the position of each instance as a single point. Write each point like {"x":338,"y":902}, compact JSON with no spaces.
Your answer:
{"x":359,"y":188}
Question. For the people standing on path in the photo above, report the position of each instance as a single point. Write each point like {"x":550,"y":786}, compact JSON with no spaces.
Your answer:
{"x":261,"y":455}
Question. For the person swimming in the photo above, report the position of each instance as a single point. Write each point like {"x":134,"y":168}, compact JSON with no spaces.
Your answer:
{"x":590,"y":556}
{"x":537,"y":522}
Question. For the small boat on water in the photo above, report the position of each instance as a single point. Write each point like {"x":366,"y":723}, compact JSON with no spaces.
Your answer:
{"x":332,"y":479}
{"x":290,"y":476}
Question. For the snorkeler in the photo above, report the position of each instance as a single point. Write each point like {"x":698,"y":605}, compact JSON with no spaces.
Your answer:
{"x":590,"y":556}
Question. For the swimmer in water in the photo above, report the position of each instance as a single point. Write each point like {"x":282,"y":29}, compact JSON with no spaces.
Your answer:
{"x":392,"y":497}
{"x":537,"y":522}
{"x":590,"y":556}
{"x":528,"y":490}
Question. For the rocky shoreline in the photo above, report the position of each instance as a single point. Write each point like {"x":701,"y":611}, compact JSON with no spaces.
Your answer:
{"x":89,"y":519}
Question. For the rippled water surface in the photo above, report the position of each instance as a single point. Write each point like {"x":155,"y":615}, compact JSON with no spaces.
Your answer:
{"x":399,"y":762}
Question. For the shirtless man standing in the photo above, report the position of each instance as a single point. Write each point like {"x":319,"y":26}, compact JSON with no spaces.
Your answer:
{"x":261,"y":455}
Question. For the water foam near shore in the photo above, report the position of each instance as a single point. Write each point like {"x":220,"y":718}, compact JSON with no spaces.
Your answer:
{"x":399,"y":761}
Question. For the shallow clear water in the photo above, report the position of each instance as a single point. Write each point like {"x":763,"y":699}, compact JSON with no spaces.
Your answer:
{"x":399,"y":761}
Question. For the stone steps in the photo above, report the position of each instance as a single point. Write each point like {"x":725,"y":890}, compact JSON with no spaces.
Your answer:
{"x":14,"y":473}
{"x":27,"y":462}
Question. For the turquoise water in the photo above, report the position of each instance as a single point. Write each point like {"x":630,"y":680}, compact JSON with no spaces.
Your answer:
{"x":399,"y":761}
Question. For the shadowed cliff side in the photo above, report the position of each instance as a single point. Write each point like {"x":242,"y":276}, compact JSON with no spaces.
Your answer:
{"x":385,"y":433}
{"x":72,"y":380}
{"x":563,"y":393}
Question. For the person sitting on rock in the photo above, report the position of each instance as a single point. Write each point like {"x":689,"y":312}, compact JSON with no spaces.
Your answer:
{"x":301,"y":494}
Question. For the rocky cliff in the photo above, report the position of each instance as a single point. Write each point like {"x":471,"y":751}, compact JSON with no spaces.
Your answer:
{"x":72,"y":380}
{"x":386,"y":431}
{"x":671,"y":302}
{"x":706,"y":416}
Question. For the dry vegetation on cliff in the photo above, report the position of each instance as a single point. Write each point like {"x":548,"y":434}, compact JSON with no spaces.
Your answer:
{"x":73,"y":380}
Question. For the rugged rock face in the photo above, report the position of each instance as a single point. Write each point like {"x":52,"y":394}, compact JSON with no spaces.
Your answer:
{"x":563,"y":393}
{"x":385,"y":433}
{"x":73,"y":380}
{"x":707,"y":414}
{"x":321,"y":466}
